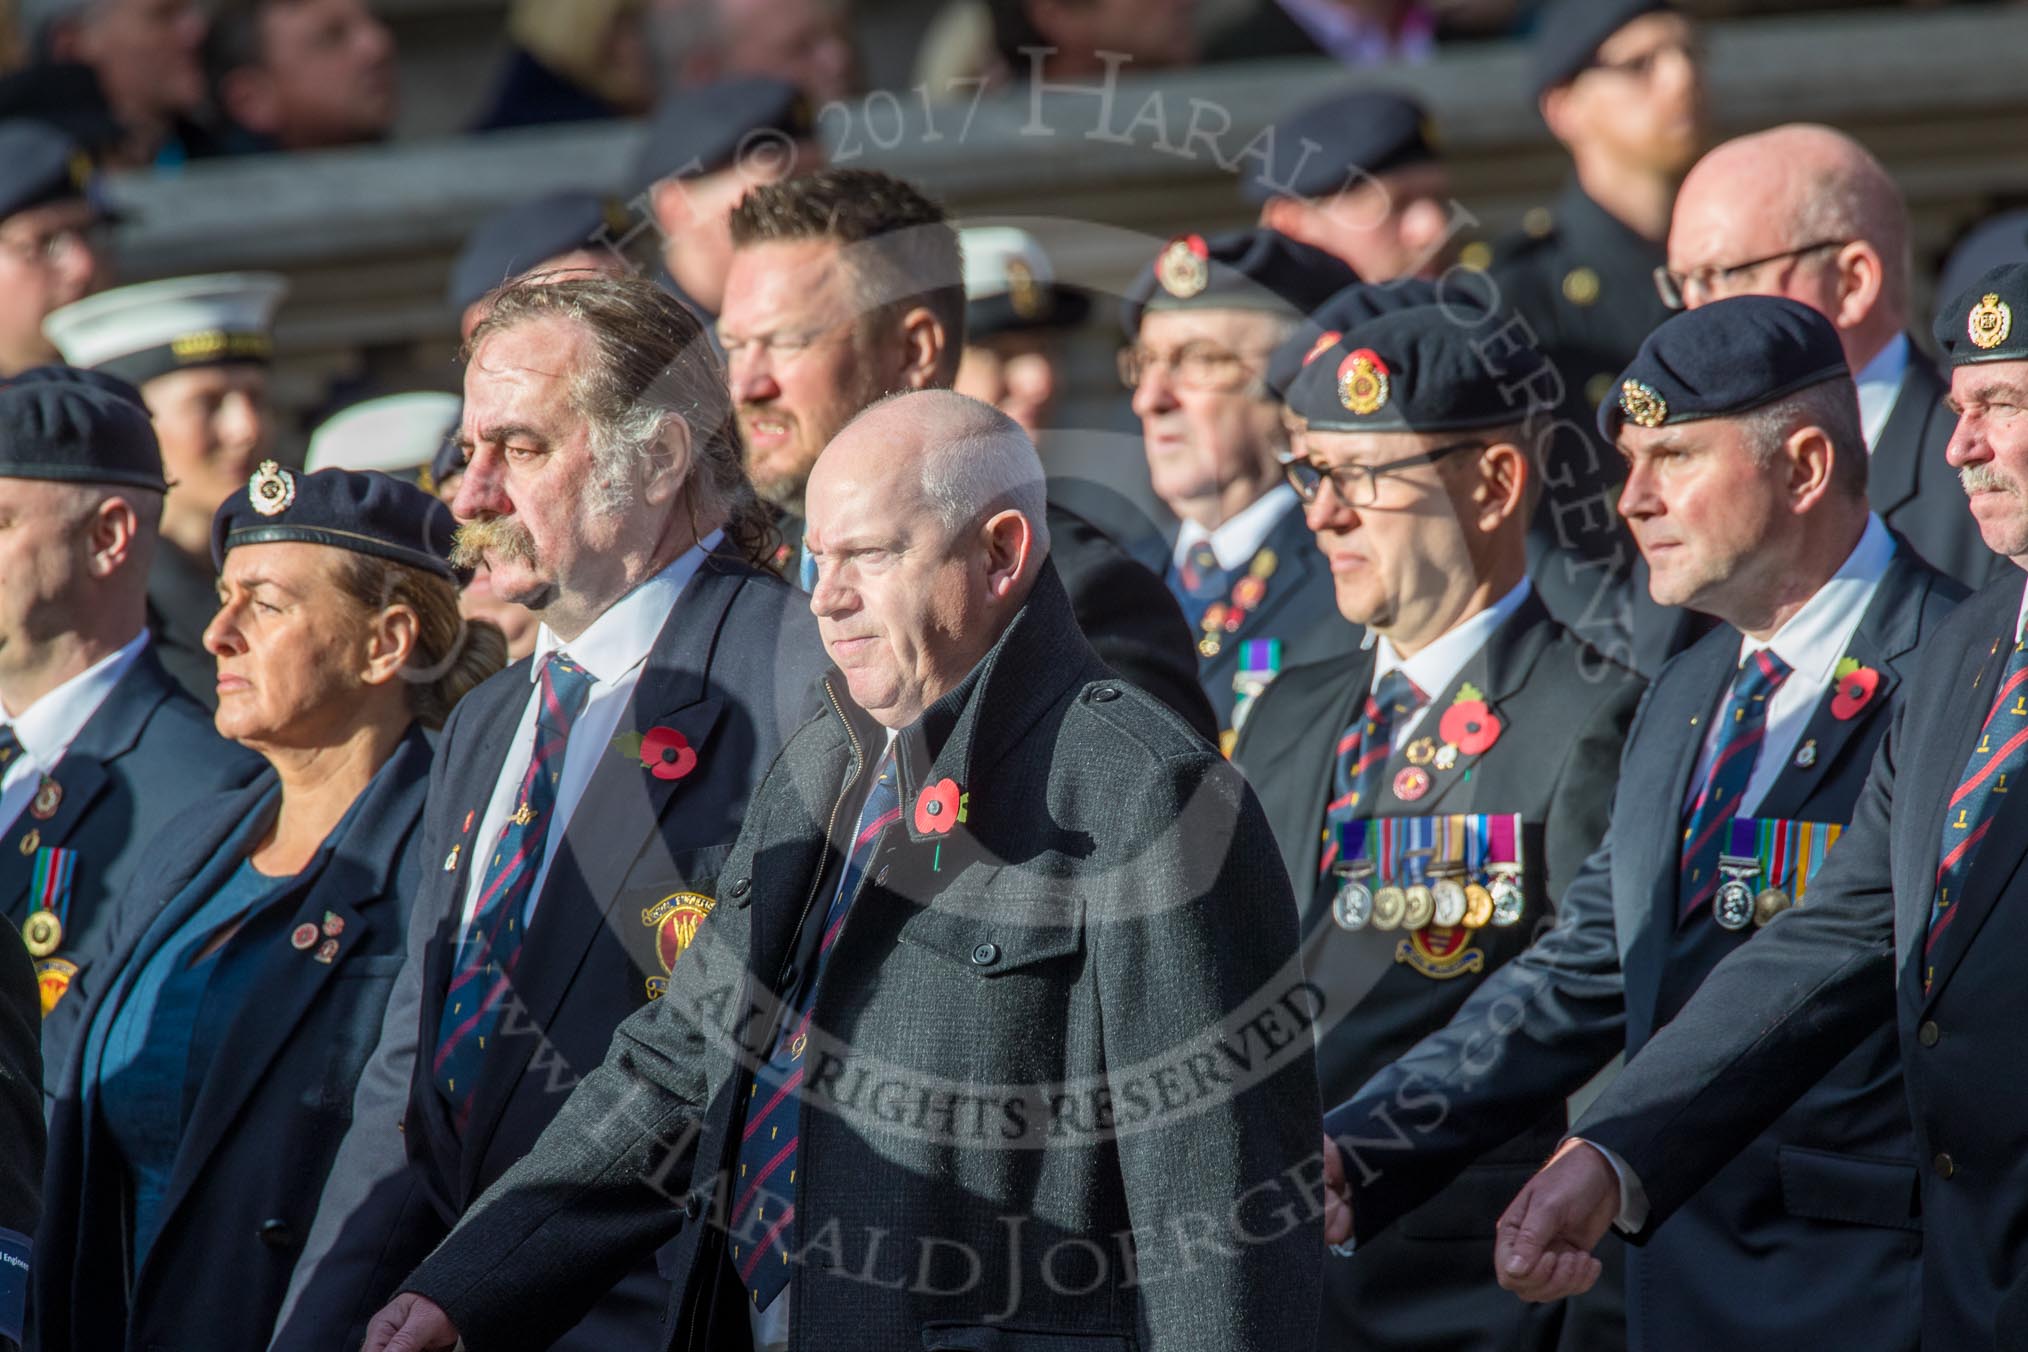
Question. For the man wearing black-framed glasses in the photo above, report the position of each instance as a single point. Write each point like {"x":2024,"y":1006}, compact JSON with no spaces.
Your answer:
{"x":1471,"y":711}
{"x":53,"y":245}
{"x":1806,"y":212}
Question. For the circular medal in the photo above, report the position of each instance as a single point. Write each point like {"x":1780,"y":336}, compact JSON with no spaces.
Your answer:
{"x":1732,"y":908}
{"x":1388,"y":904}
{"x":1478,"y":906}
{"x":1770,"y":904}
{"x":1418,"y":907}
{"x":1421,"y":751}
{"x":1450,"y":901}
{"x":42,"y":932}
{"x":1352,"y":907}
{"x":1411,"y":784}
{"x":305,"y":936}
{"x":48,"y":797}
{"x":1509,"y":901}
{"x":1446,"y":757}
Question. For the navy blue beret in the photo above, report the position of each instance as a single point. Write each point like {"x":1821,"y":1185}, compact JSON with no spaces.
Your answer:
{"x":66,"y":96}
{"x":1356,"y":305}
{"x":38,"y":165}
{"x":73,"y":431}
{"x":708,"y":128}
{"x":364,"y":511}
{"x":104,"y":381}
{"x":1988,"y":320}
{"x":1428,"y":368}
{"x":1728,"y":357}
{"x":524,"y":237}
{"x":1326,"y":147}
{"x":1570,"y":32}
{"x":1238,"y":270}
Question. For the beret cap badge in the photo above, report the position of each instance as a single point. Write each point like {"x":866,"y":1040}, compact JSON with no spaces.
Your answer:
{"x":1184,"y":268}
{"x":1642,"y":404}
{"x":271,"y":489}
{"x":1363,"y":382}
{"x":1022,"y":292}
{"x":1991,"y":320}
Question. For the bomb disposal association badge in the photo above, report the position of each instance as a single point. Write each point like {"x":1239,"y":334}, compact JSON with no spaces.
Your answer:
{"x":1184,"y":267}
{"x":1441,"y":952}
{"x":1363,"y":382}
{"x":1990,"y":322}
{"x":674,"y":919}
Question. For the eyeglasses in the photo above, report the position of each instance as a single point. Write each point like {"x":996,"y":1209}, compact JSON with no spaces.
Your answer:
{"x":1642,"y":67}
{"x":1359,"y":485}
{"x":1194,"y":366}
{"x":1678,"y":289}
{"x":51,"y":247}
{"x":782,"y":347}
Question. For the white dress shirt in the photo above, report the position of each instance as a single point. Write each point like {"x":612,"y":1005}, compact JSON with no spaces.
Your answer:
{"x":1435,"y":667}
{"x":613,"y":650}
{"x":47,"y":727}
{"x":1879,"y":386}
{"x":1239,"y":537}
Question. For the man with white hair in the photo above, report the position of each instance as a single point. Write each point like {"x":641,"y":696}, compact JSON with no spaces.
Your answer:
{"x":1019,"y":1030}
{"x":1806,"y":212}
{"x":585,"y":798}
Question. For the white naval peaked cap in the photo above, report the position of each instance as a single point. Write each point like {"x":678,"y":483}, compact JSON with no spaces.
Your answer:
{"x":143,"y":331}
{"x":988,"y":251}
{"x":397,"y":434}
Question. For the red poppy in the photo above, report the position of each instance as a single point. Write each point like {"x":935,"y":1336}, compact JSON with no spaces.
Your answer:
{"x":1856,"y":690}
{"x":1471,"y":727}
{"x":666,"y":753}
{"x":936,"y":808}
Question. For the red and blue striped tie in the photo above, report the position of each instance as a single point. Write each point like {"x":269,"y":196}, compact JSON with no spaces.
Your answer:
{"x":492,"y":941}
{"x":1742,"y":726}
{"x":764,"y":1205}
{"x":2000,"y":754}
{"x":1363,"y":753}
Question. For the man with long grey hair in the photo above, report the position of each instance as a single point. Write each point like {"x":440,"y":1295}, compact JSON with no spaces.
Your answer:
{"x":585,"y":798}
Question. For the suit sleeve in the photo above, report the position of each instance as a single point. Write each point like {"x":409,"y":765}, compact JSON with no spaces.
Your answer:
{"x":1768,"y":1022}
{"x":1199,"y":976}
{"x":22,"y":1139}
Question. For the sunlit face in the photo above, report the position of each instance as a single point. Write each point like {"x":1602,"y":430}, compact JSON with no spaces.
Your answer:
{"x":1202,"y":434}
{"x":43,"y":549}
{"x":1702,"y":510}
{"x":330,"y":73}
{"x":1989,"y":450}
{"x":1016,"y":373}
{"x":50,"y":255}
{"x":216,"y":425}
{"x":145,"y":53}
{"x":1643,"y":97}
{"x":1724,"y":243}
{"x":292,"y":647}
{"x":695,"y":214}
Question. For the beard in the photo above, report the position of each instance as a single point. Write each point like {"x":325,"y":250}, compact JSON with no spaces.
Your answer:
{"x":500,"y":540}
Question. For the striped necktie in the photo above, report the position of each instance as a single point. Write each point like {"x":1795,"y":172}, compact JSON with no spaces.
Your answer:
{"x":764,"y":1207}
{"x":1363,"y":753}
{"x":492,"y":941}
{"x":1742,"y":726}
{"x":10,"y":747}
{"x":1200,"y":583}
{"x":2001,"y":752}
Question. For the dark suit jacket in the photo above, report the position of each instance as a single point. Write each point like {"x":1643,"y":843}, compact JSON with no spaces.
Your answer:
{"x":21,"y":1130}
{"x":1565,"y":711}
{"x":1039,"y":981}
{"x":1915,"y":490}
{"x":143,"y":757}
{"x":1809,"y":1233}
{"x":263,"y":1128}
{"x":733,"y":671}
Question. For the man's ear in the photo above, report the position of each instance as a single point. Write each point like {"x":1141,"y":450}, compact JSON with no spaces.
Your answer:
{"x":1010,"y":546}
{"x":110,"y":536}
{"x":1504,"y":486}
{"x":923,"y":343}
{"x":672,"y":465}
{"x":1813,"y":464}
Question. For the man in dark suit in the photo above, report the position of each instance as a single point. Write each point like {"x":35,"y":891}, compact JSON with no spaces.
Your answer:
{"x":98,"y":747}
{"x":1202,"y":319}
{"x":995,"y":946}
{"x":1806,"y":212}
{"x":1472,"y":709}
{"x":668,"y":673}
{"x":22,"y":1130}
{"x":845,"y":287}
{"x":1808,"y":1233}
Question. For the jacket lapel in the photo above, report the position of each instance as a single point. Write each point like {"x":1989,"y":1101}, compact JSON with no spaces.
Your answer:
{"x":1296,"y":559}
{"x":1895,"y":463}
{"x":1309,"y":763}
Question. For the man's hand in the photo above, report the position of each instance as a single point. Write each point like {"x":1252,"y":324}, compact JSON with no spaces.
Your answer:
{"x":1337,"y":1195}
{"x":410,"y":1323}
{"x":1542,"y":1247}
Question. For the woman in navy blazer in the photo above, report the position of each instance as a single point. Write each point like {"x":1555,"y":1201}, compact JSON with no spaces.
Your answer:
{"x":242,"y":990}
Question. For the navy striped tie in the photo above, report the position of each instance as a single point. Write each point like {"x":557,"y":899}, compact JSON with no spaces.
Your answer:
{"x":1362,"y":756}
{"x":1742,"y":725}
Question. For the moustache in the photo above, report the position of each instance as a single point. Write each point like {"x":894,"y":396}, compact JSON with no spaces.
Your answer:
{"x":1985,"y":479}
{"x":501,"y":540}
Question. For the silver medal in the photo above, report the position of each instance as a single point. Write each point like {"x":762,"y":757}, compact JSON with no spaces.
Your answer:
{"x":1352,"y":907}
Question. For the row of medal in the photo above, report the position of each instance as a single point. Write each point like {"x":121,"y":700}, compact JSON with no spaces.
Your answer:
{"x":1779,"y":852}
{"x":1412,"y":872}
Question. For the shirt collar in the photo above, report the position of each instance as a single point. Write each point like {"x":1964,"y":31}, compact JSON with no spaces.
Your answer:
{"x":1240,"y":536}
{"x":47,"y":727}
{"x":620,"y":639}
{"x":1880,"y":385}
{"x":1818,"y":635}
{"x":1435,"y":667}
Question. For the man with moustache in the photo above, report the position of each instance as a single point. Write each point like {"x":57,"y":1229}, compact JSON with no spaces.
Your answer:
{"x":1435,"y":793}
{"x":847,"y":286}
{"x":586,"y":798}
{"x":1747,"y":491}
{"x":989,"y":865}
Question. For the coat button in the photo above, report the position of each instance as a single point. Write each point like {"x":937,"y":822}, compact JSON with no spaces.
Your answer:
{"x":738,"y":891}
{"x":985,"y":955}
{"x":276,"y":1234}
{"x":1928,"y":1034}
{"x":1944,"y":1165}
{"x":693,"y":1206}
{"x":880,"y":878}
{"x":1105,"y":694}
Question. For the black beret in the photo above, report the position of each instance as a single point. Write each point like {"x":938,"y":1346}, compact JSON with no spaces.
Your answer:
{"x":1570,"y":32}
{"x":104,"y":381}
{"x":67,"y":96}
{"x":1728,"y":357}
{"x":705,"y":129}
{"x":364,"y":511}
{"x":1239,"y":270}
{"x":1423,"y":369}
{"x":525,"y":236}
{"x":1326,"y":147}
{"x":1987,"y":321}
{"x":1356,"y":305}
{"x":72,"y":431}
{"x":38,"y":165}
